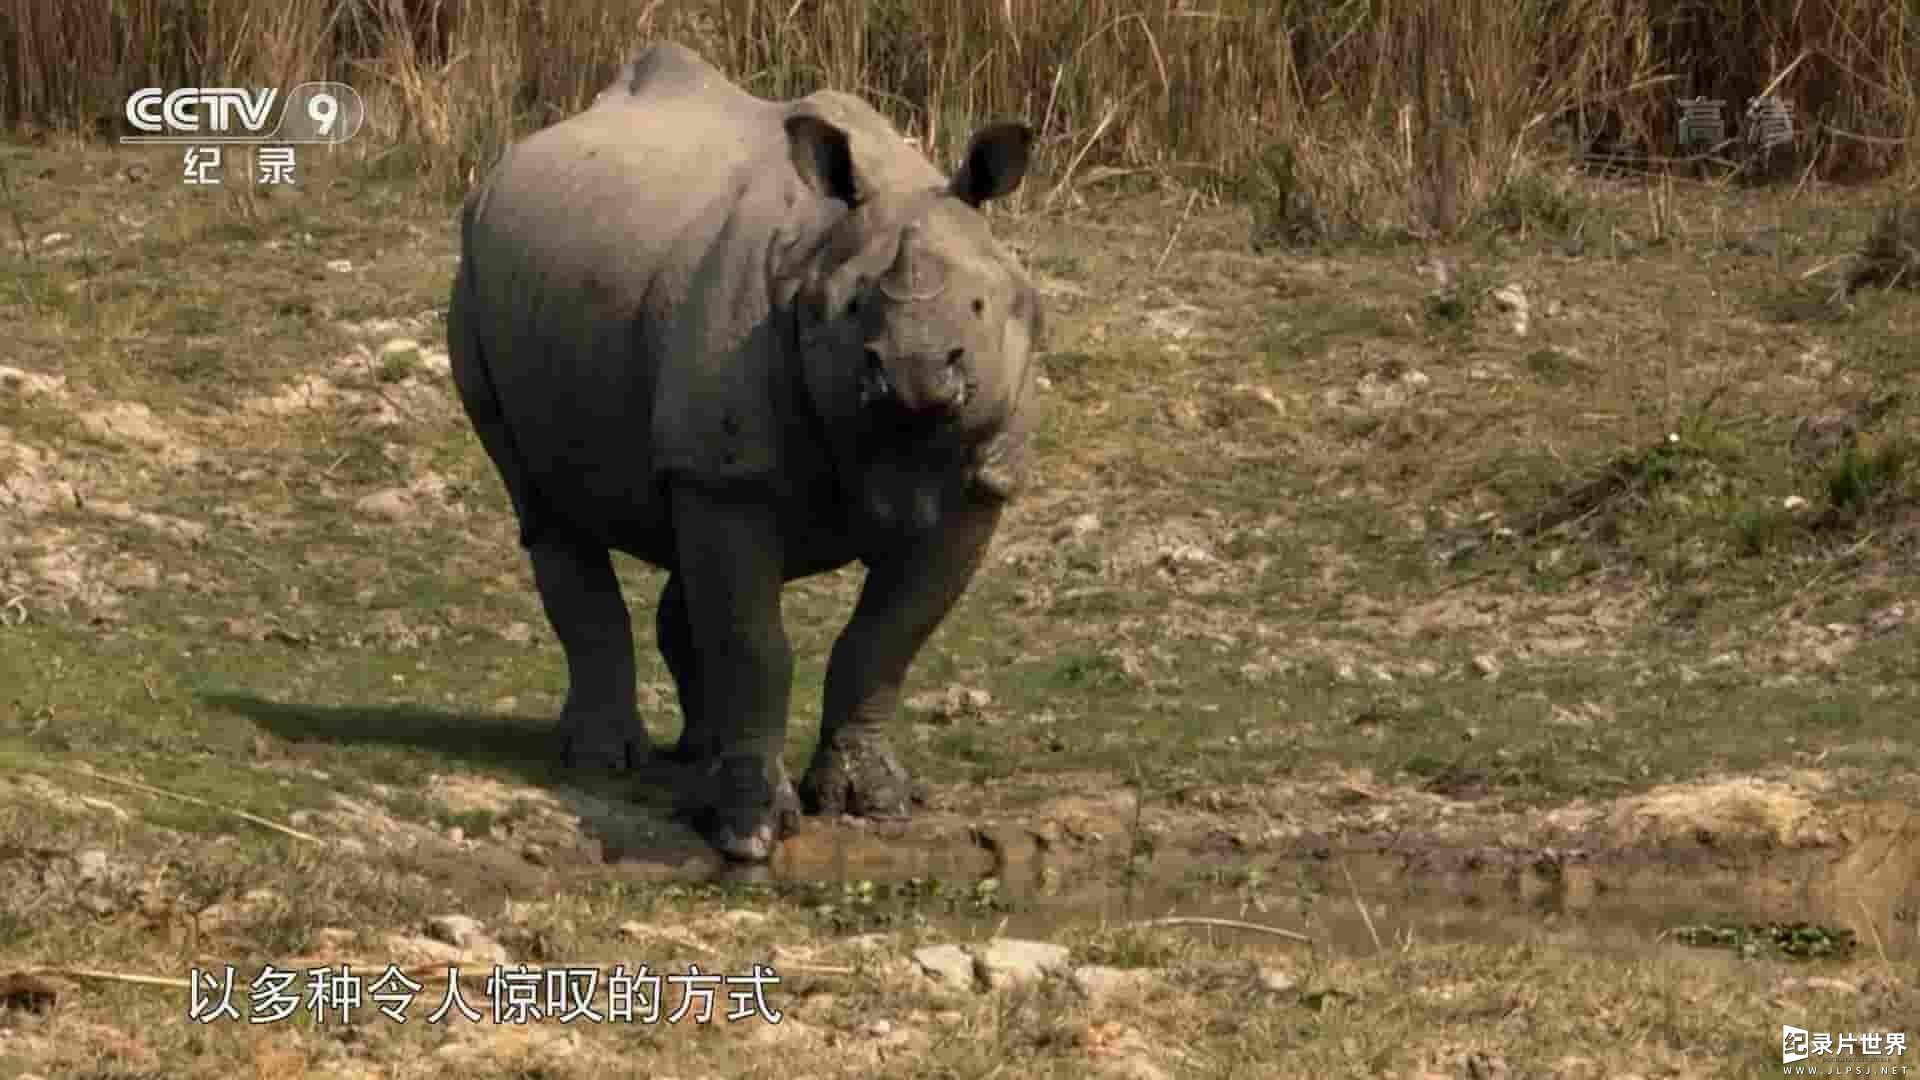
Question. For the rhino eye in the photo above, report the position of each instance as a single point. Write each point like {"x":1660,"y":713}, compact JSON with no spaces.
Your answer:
{"x":979,"y":306}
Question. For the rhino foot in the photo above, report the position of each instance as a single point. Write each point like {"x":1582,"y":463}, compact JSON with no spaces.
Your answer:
{"x":591,"y":746}
{"x":687,"y":751}
{"x":743,"y":806}
{"x":855,"y":772}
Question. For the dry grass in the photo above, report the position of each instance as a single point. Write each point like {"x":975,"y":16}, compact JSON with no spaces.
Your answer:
{"x":1432,"y":107}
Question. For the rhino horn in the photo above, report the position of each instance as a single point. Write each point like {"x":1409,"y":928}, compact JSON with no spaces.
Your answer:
{"x":903,"y":282}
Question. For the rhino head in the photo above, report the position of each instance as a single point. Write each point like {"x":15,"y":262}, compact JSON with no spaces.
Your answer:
{"x":917,"y":326}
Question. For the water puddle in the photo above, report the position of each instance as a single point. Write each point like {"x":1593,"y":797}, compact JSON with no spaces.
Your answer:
{"x":1862,"y":894}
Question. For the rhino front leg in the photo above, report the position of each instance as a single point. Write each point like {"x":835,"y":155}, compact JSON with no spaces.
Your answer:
{"x":599,"y":724}
{"x":902,"y":602}
{"x":673,"y":631}
{"x":731,"y":570}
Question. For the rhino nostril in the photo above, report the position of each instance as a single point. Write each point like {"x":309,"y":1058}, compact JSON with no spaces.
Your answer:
{"x":953,"y":357}
{"x":873,"y":360}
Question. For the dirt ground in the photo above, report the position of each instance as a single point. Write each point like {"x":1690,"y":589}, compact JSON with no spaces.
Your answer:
{"x":1469,"y":660}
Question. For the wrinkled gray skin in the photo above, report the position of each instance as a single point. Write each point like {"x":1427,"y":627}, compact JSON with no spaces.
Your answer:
{"x":746,"y":342}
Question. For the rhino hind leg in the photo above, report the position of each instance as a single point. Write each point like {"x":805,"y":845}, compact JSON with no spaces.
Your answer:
{"x":599,"y":724}
{"x":856,"y":772}
{"x":903,"y":601}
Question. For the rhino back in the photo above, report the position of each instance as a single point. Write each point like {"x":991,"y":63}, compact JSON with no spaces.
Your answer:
{"x":618,"y":265}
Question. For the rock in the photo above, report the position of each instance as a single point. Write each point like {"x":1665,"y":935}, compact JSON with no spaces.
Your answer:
{"x":467,"y":936}
{"x":1887,"y":618}
{"x":1511,"y":300}
{"x":1435,"y":269}
{"x":401,"y":350}
{"x":1264,"y":395}
{"x":1825,"y":984}
{"x":1005,"y":962}
{"x":1390,"y":386}
{"x":517,"y":633}
{"x":1793,"y":503}
{"x":133,"y":424}
{"x":408,"y":949}
{"x":676,"y":935}
{"x":788,"y":1030}
{"x":481,"y":1045}
{"x":880,"y":1029}
{"x":954,"y":701}
{"x":391,"y":504}
{"x":1133,"y":1068}
{"x":1081,"y":526}
{"x":1177,"y":322}
{"x":340,"y":266}
{"x":1098,"y":983}
{"x":1723,"y":814}
{"x":869,"y":942}
{"x":1273,"y":980}
{"x":1486,"y":667}
{"x":1179,"y":555}
{"x":91,"y":865}
{"x":31,"y":384}
{"x":1119,"y":1050}
{"x":949,"y":966}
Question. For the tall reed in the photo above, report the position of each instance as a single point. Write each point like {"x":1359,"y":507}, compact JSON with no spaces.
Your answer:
{"x":1442,"y":99}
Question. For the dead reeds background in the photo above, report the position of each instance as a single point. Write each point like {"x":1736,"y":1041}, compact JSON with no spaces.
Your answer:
{"x":1435,"y":103}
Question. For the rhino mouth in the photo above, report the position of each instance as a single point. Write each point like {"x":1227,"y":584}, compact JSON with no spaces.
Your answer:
{"x":888,"y":424}
{"x":915,"y":384}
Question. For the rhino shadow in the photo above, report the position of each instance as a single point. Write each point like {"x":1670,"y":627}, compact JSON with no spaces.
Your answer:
{"x":626,"y":817}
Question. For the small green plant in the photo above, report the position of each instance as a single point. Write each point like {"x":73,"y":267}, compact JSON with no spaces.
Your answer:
{"x":1800,"y":941}
{"x":1286,"y":213}
{"x":1453,"y":306}
{"x":1531,"y":203}
{"x":1555,"y":367}
{"x":1861,"y":480}
{"x":1760,"y":530}
{"x":1891,"y":256}
{"x":1060,"y":264}
{"x":396,"y":365}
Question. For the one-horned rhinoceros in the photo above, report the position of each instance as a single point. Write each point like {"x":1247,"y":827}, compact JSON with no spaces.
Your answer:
{"x":746,"y":342}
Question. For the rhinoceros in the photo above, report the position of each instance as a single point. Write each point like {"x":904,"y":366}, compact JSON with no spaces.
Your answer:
{"x":745,"y":341}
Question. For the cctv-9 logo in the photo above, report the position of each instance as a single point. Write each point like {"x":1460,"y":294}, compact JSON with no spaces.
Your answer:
{"x":321,"y":112}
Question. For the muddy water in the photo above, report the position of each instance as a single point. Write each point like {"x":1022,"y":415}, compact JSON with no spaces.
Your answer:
{"x":1359,"y":898}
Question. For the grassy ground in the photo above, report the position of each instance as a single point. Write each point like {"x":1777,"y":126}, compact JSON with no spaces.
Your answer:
{"x":1341,"y":606}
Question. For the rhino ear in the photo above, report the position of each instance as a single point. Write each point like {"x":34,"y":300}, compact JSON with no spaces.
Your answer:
{"x":822,"y":156}
{"x":996,"y":162}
